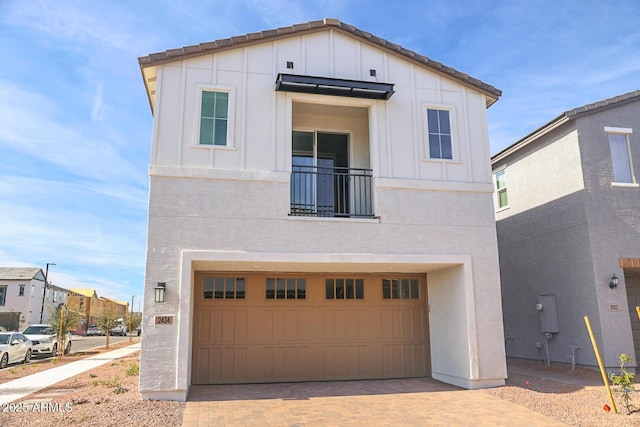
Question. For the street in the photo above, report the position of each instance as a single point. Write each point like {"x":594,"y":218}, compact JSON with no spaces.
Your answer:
{"x":80,"y":343}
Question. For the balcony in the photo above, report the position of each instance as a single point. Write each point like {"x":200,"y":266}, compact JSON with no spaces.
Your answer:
{"x":322,"y":191}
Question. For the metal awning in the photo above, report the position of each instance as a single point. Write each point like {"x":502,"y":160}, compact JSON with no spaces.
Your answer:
{"x":335,"y":87}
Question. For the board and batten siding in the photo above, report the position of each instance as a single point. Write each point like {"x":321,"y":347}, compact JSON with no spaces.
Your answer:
{"x":260,"y":117}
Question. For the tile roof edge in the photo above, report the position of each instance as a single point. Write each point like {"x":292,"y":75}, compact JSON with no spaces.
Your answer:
{"x":204,"y":48}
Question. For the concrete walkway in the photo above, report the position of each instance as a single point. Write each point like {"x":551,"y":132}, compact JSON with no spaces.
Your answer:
{"x":17,"y":389}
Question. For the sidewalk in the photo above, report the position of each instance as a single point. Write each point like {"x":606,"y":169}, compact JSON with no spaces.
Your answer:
{"x":17,"y":389}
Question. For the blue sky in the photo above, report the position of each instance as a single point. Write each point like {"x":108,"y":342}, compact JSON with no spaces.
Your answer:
{"x":75,"y":123}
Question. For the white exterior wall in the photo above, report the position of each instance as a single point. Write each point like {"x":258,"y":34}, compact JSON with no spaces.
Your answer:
{"x":227,"y":208}
{"x":30,"y":304}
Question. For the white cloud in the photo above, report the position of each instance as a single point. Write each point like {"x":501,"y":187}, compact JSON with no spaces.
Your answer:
{"x":96,"y":108}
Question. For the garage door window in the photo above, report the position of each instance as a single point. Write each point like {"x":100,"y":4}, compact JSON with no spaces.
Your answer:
{"x":344,"y":288}
{"x":400,"y":289}
{"x":224,"y":288}
{"x":286,"y":288}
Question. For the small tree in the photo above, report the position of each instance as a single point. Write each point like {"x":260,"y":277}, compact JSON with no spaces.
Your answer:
{"x":61,"y":320}
{"x":106,"y":321}
{"x":624,"y":383}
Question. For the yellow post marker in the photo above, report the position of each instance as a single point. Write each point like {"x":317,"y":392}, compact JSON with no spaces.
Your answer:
{"x":638,"y":311}
{"x":605,"y":379}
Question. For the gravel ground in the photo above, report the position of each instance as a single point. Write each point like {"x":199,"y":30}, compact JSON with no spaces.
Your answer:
{"x":103,"y":397}
{"x":108,"y":396}
{"x":575,"y":399}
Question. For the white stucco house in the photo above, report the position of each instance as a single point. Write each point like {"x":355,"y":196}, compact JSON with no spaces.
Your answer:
{"x":320,"y":208}
{"x":22,"y":301}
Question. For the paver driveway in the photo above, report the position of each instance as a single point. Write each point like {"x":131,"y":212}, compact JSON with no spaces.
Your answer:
{"x":406,"y":402}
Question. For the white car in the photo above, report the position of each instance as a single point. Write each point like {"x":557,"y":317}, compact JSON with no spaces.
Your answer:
{"x":44,"y":341}
{"x":14,"y":347}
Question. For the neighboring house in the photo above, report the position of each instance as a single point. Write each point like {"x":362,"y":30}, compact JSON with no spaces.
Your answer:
{"x":568,"y":220}
{"x":320,"y":208}
{"x":92,"y":306}
{"x":21,"y":297}
{"x":118,"y":308}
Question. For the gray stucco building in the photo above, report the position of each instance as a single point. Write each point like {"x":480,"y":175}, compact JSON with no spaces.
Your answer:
{"x":568,"y":220}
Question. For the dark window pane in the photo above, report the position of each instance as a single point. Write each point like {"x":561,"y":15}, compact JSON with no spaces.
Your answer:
{"x":222,"y":105}
{"x":219,"y":287}
{"x":302,"y":288}
{"x":280,"y":292}
{"x":240,"y":288}
{"x":208,"y":287}
{"x":434,"y":146}
{"x":445,"y":146}
{"x":206,"y":131}
{"x":395,"y":291}
{"x":329,"y":289}
{"x":208,"y":104}
{"x":414,"y":289}
{"x":445,"y":124}
{"x":405,"y":288}
{"x":432,"y":121}
{"x":220,"y":132}
{"x":386,"y":289}
{"x":350,"y":288}
{"x":229,"y":291}
{"x":291,"y":288}
{"x":339,"y":288}
{"x":359,"y":288}
{"x":271,"y":288}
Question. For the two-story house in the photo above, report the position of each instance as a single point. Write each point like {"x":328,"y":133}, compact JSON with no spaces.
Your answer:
{"x":568,"y":220}
{"x":23,"y":301}
{"x":320,"y":208}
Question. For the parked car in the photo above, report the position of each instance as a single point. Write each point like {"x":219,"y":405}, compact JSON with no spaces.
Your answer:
{"x":94,"y":330}
{"x":120,"y":328}
{"x":45,"y":341}
{"x":14,"y":347}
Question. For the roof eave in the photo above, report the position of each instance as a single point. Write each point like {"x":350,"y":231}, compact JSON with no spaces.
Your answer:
{"x":492,"y":94}
{"x":523,"y":142}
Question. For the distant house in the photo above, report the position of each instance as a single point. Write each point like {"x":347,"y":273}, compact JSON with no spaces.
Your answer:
{"x":567,"y":205}
{"x":21,"y":297}
{"x":92,"y":306}
{"x":320,"y":208}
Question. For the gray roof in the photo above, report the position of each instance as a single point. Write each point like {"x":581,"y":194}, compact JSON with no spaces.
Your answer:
{"x":172,"y":55}
{"x":574,"y":113}
{"x":19,"y":273}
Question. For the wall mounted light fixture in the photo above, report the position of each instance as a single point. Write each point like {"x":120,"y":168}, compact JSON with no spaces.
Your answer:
{"x":614,"y":281}
{"x":160,"y":289}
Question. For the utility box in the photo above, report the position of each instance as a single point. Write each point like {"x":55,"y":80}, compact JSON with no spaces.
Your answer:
{"x":548,"y":313}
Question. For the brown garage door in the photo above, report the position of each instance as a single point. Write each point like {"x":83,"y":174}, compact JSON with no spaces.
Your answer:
{"x":277,"y":327}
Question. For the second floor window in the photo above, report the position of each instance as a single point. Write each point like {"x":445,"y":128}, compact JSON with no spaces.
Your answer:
{"x":21,"y":291}
{"x":3,"y":295}
{"x":501,"y":189}
{"x":214,"y":114}
{"x":620,"y":158}
{"x":439,"y":131}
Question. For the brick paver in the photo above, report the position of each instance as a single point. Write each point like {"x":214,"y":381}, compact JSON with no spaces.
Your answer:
{"x":406,"y":402}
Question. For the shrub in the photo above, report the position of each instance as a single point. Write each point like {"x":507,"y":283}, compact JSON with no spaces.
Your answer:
{"x":624,"y":383}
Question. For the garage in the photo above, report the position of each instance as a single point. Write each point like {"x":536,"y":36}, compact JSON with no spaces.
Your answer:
{"x":271,"y":327}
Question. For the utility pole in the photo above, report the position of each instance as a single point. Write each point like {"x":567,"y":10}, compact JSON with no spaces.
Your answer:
{"x":44,"y":290}
{"x":131,"y":320}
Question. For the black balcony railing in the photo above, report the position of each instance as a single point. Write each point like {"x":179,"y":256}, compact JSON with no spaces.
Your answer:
{"x":331,"y":192}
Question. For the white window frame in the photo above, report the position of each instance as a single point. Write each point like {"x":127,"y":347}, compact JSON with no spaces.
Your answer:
{"x":624,"y":132}
{"x":452,"y":125}
{"x":197,"y":111}
{"x":502,"y":169}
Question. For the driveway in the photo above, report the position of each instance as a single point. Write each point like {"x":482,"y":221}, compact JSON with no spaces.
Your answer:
{"x":415,"y":401}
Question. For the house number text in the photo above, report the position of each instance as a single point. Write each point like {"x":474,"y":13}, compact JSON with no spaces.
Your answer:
{"x":164,"y":320}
